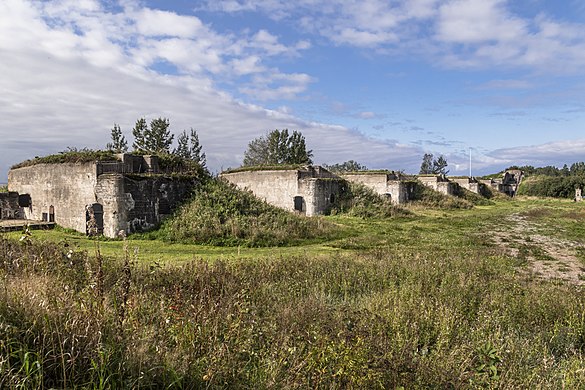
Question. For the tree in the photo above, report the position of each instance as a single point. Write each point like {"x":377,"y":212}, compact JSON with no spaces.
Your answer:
{"x":439,"y":166}
{"x":426,"y":167}
{"x":278,"y":147}
{"x":348,"y":166}
{"x":159,"y":138}
{"x":156,"y":139}
{"x":139,"y":132}
{"x":182,"y":149}
{"x":196,"y":150}
{"x":118,"y":144}
{"x":433,"y":166}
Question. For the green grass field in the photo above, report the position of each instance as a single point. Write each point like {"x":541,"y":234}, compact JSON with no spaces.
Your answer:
{"x":489,"y":297}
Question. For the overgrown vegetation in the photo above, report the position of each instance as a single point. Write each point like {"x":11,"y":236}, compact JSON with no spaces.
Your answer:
{"x":552,"y":186}
{"x":427,"y":197}
{"x":254,"y":168}
{"x":357,"y":200}
{"x":3,"y":188}
{"x":440,"y":309}
{"x":72,"y":155}
{"x":221,"y":214}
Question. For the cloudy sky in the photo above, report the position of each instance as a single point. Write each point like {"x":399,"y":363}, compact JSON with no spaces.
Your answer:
{"x":380,"y":82}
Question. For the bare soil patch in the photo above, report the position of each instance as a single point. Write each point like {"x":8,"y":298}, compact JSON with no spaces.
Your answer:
{"x":546,"y":257}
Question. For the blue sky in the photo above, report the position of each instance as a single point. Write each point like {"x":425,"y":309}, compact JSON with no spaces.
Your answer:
{"x":375,"y":81}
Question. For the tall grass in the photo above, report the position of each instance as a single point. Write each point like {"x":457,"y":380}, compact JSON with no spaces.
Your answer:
{"x":429,"y":198}
{"x":358,"y":200}
{"x":378,"y":319}
{"x":221,"y":214}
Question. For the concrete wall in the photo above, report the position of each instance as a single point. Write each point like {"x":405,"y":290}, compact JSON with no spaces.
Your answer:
{"x":277,"y":187}
{"x":383,"y":184}
{"x":67,"y":187}
{"x":147,"y":201}
{"x":438,"y":183}
{"x":9,"y":208}
{"x":126,"y":202}
{"x":468,"y":183}
{"x":280,"y":187}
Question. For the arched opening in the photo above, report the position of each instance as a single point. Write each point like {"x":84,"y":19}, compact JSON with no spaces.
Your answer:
{"x":332,"y":198}
{"x":388,"y":196}
{"x":94,"y":219}
{"x":51,"y":214}
{"x":298,"y":203}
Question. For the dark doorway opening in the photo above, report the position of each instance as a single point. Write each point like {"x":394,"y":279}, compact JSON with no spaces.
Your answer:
{"x":51,"y":214}
{"x":299,"y":203}
{"x":94,"y":220}
{"x":24,"y":200}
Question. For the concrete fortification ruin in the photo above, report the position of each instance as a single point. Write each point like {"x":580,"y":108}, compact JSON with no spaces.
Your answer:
{"x":127,"y":194}
{"x":305,"y":190}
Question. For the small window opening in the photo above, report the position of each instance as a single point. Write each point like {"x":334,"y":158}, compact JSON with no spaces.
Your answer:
{"x":332,"y":198}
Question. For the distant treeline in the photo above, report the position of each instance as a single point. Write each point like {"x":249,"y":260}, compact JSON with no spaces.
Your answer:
{"x":551,"y":181}
{"x":576,"y":169}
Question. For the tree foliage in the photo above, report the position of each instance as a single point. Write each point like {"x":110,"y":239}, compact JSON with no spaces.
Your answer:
{"x":347,"y":166}
{"x":576,"y":169}
{"x":426,"y":167}
{"x":154,"y":139}
{"x":196,"y":150}
{"x":433,"y":166}
{"x":278,"y":147}
{"x":189,"y":147}
{"x":119,"y":143}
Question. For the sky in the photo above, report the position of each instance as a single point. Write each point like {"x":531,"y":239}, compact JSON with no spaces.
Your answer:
{"x":378,"y":82}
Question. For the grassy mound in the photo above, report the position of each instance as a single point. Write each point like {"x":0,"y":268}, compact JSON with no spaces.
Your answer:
{"x":361,"y":201}
{"x":471,"y":197}
{"x":221,"y":214}
{"x":427,"y":197}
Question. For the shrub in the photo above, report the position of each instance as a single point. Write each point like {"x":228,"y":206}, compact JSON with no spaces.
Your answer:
{"x":357,"y":200}
{"x":221,"y":214}
{"x":427,"y":197}
{"x":548,"y":186}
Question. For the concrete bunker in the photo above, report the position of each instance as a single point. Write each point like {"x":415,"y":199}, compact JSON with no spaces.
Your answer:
{"x":309,"y":190}
{"x":391,"y":185}
{"x":133,"y":193}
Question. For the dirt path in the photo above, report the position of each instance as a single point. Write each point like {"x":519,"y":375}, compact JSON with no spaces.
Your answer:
{"x":546,"y":257}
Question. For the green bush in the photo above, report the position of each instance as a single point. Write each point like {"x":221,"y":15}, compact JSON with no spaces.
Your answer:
{"x":427,"y":197}
{"x":357,"y":200}
{"x":549,"y":186}
{"x":221,"y":214}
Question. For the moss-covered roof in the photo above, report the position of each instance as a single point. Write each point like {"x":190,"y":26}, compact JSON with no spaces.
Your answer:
{"x":255,"y":168}
{"x":73,"y":156}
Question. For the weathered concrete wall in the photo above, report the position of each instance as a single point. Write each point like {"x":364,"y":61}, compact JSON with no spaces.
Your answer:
{"x":438,"y":183}
{"x":67,"y":187}
{"x":320,"y":194}
{"x":63,"y":192}
{"x":468,"y":183}
{"x":277,"y":187}
{"x":384,"y":184}
{"x":280,"y":187}
{"x":153,"y":199}
{"x":9,"y":208}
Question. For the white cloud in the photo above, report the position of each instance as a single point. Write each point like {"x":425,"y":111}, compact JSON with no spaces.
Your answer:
{"x":163,"y":23}
{"x":454,"y":33}
{"x":68,"y":79}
